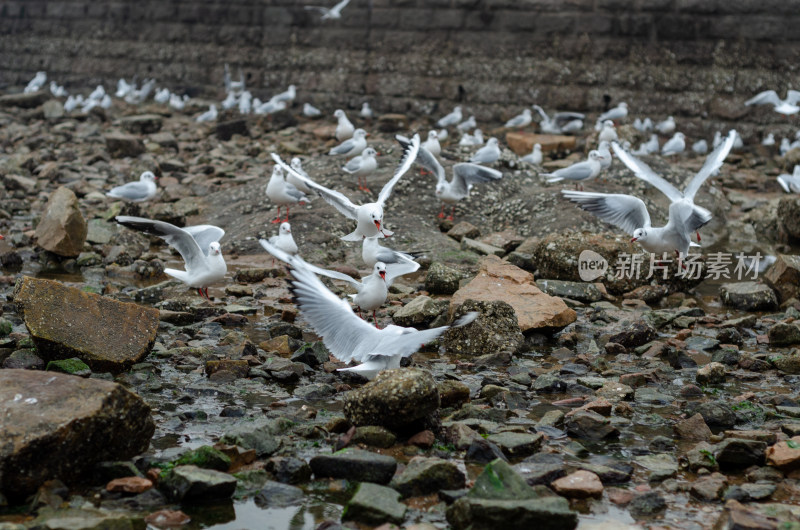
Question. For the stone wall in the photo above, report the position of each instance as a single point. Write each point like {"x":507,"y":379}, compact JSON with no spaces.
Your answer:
{"x":692,"y":58}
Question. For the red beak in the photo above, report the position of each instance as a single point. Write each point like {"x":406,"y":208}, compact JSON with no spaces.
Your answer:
{"x":1,"y":237}
{"x":383,"y":275}
{"x":633,"y":239}
{"x":378,"y":224}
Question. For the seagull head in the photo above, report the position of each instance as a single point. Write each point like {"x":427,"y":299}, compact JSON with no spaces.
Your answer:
{"x":286,"y":228}
{"x":608,"y":123}
{"x":537,"y":147}
{"x":369,"y":152}
{"x":433,"y":135}
{"x":439,"y":190}
{"x":595,"y":155}
{"x":360,"y":133}
{"x":380,"y":269}
{"x":277,"y":171}
{"x":639,"y":234}
{"x":148,"y":176}
{"x":338,"y":113}
{"x":296,"y":163}
{"x":214,"y":249}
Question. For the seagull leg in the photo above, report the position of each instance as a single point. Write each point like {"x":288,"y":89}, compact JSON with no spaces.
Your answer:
{"x":441,"y":212}
{"x":375,"y":319}
{"x":698,"y":236}
{"x":200,"y":292}
{"x":287,"y":215}
{"x":206,"y":291}
{"x":277,"y":219}
{"x":452,"y":213}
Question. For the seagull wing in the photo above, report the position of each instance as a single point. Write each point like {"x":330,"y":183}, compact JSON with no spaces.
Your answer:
{"x":643,"y":171}
{"x":409,"y":155}
{"x":332,"y":197}
{"x":342,"y":148}
{"x":395,"y":270}
{"x":711,"y":166}
{"x":424,"y":158}
{"x":205,"y":235}
{"x":176,"y":237}
{"x":410,"y":340}
{"x":623,"y":211}
{"x":341,"y":5}
{"x":353,"y":165}
{"x":792,"y":97}
{"x":131,"y":191}
{"x":768,"y":97}
{"x":466,"y":174}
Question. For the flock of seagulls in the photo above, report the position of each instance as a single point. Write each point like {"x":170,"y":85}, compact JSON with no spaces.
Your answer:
{"x":349,"y":337}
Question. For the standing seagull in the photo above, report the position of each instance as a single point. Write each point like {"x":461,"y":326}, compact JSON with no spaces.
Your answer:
{"x":344,"y":129}
{"x":790,"y":183}
{"x":362,"y":167}
{"x":197,"y":245}
{"x":352,"y":146}
{"x":372,"y":252}
{"x":674,"y":145}
{"x":142,"y":190}
{"x":348,"y":337}
{"x":582,"y":171}
{"x":617,"y":113}
{"x":297,"y":165}
{"x":561,"y":122}
{"x":487,"y":154}
{"x":520,"y":120}
{"x":432,"y":143}
{"x":281,"y":193}
{"x":284,"y":240}
{"x":333,"y":13}
{"x":535,"y":156}
{"x":451,"y":119}
{"x":787,"y":107}
{"x":667,"y":126}
{"x":370,"y":215}
{"x":608,"y":132}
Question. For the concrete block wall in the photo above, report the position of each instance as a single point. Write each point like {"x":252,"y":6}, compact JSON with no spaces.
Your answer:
{"x":697,"y":59}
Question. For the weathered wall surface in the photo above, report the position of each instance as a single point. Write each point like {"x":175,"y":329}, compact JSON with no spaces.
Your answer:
{"x":692,"y":58}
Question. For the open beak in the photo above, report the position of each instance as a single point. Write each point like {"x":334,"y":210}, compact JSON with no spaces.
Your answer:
{"x":634,"y":239}
{"x":378,"y":224}
{"x":1,"y":237}
{"x":383,"y":275}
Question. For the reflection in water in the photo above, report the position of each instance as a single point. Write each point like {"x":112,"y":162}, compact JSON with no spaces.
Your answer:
{"x":246,"y":515}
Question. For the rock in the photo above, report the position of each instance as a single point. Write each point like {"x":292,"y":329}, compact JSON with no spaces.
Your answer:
{"x":226,"y":129}
{"x":129,"y":485}
{"x":545,"y":513}
{"x":423,"y":476}
{"x":420,"y":310}
{"x":453,"y":393}
{"x":636,"y":334}
{"x":313,"y":354}
{"x":738,"y":517}
{"x":748,"y":296}
{"x":374,"y":436}
{"x":289,"y":469}
{"x":463,"y":230}
{"x":57,"y":425}
{"x":142,"y":124}
{"x":737,"y":452}
{"x":278,"y":495}
{"x":72,"y":366}
{"x":260,"y":435}
{"x":693,"y":428}
{"x":542,"y":468}
{"x":167,"y":518}
{"x":390,"y":123}
{"x":206,"y":457}
{"x":517,"y":444}
{"x":423,"y":439}
{"x":62,"y":229}
{"x":717,"y":414}
{"x":374,"y":505}
{"x":191,"y":483}
{"x":784,"y":277}
{"x":66,"y":322}
{"x":788,"y":214}
{"x":121,"y":145}
{"x":479,"y":247}
{"x":24,"y":360}
{"x":579,"y":485}
{"x":397,"y":399}
{"x":711,"y":374}
{"x":356,"y":465}
{"x":498,"y":280}
{"x":499,"y":481}
{"x":29,"y":100}
{"x":442,"y":279}
{"x":590,"y":425}
{"x":522,"y":142}
{"x":788,"y":363}
{"x":495,"y":329}
{"x":661,"y":466}
{"x":483,"y":451}
{"x":783,"y":334}
{"x":709,"y":487}
{"x":785,"y":455}
{"x":647,"y":504}
{"x":81,"y":519}
{"x":580,"y":291}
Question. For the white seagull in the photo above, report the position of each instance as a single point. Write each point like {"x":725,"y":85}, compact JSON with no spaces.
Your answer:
{"x":310,"y":111}
{"x":333,"y":13}
{"x":520,"y":120}
{"x":284,"y":240}
{"x":281,"y":193}
{"x":432,"y":143}
{"x":535,"y":156}
{"x":352,"y":146}
{"x":790,"y":183}
{"x":366,"y":112}
{"x":369,"y":216}
{"x":197,"y":245}
{"x":287,"y":96}
{"x":608,"y":133}
{"x":348,"y":337}
{"x":344,"y":129}
{"x":579,"y":172}
{"x":617,"y":113}
{"x":467,"y":125}
{"x":451,"y":119}
{"x":649,"y":147}
{"x":362,"y":167}
{"x":209,"y":115}
{"x":476,"y":138}
{"x":666,"y":127}
{"x":487,"y":154}
{"x":372,"y":252}
{"x":561,"y":122}
{"x":787,"y":107}
{"x":36,"y":84}
{"x":143,"y":189}
{"x":674,"y":145}
{"x":297,"y":165}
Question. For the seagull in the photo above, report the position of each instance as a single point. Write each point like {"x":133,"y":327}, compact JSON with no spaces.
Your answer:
{"x":352,"y":146}
{"x":561,"y":122}
{"x":466,"y":125}
{"x":521,"y":120}
{"x":72,"y":103}
{"x":787,"y":107}
{"x":666,"y":127}
{"x":344,"y":129}
{"x":141,"y":190}
{"x":197,"y":245}
{"x":607,"y":133}
{"x":442,"y":134}
{"x":579,"y":172}
{"x":790,"y":183}
{"x":487,"y":154}
{"x":281,"y":193}
{"x":284,"y":240}
{"x":310,"y":111}
{"x":617,"y":113}
{"x":786,"y":146}
{"x":649,"y":147}
{"x":123,"y":88}
{"x":769,"y":140}
{"x":366,"y":112}
{"x":643,"y":125}
{"x":700,"y":147}
{"x":348,"y":337}
{"x":372,"y":252}
{"x":231,"y":86}
{"x":269,"y":107}
{"x":36,"y":84}
{"x":98,"y":93}
{"x":297,"y":165}
{"x":451,"y":119}
{"x":473,"y":139}
{"x":287,"y":96}
{"x":432,"y":143}
{"x":333,"y":13}
{"x":686,"y":198}
{"x":136,"y":97}
{"x":162,"y":96}
{"x":245,"y":102}
{"x":370,"y":215}
{"x":605,"y":155}
{"x":362,"y":167}
{"x":209,"y":115}
{"x":177,"y":102}
{"x":535,"y":156}
{"x":57,"y":90}
{"x":230,"y":101}
{"x":465,"y":175}
{"x":674,"y":145}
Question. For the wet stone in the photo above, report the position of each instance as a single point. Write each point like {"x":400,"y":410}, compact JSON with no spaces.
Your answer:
{"x":590,"y":425}
{"x":516,"y":444}
{"x":262,"y":435}
{"x":660,"y":466}
{"x":72,"y":366}
{"x":374,"y":436}
{"x":191,"y":483}
{"x":579,"y":485}
{"x":580,"y":291}
{"x":356,"y":465}
{"x":748,"y":296}
{"x":289,"y":469}
{"x":636,"y":334}
{"x":374,"y":505}
{"x":482,"y":451}
{"x":711,"y":374}
{"x":423,"y":476}
{"x":647,"y":504}
{"x":738,"y":452}
{"x":782,"y":334}
{"x":24,"y":360}
{"x":710,"y":487}
{"x":541,"y":468}
{"x":278,"y":495}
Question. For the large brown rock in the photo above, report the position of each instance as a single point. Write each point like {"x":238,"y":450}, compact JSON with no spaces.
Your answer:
{"x":498,"y":280}
{"x":522,"y":142}
{"x":142,"y":124}
{"x":65,"y":322}
{"x":62,"y":229}
{"x":789,"y":216}
{"x":784,"y":277}
{"x":29,"y":100}
{"x":60,"y":426}
{"x":120,"y":145}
